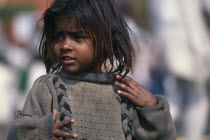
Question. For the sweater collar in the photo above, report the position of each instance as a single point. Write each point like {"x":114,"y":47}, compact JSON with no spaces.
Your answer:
{"x":88,"y":77}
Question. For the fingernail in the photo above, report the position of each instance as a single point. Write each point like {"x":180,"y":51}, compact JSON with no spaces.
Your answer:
{"x":73,"y":120}
{"x":75,"y":135}
{"x":119,"y":91}
{"x":118,"y":76}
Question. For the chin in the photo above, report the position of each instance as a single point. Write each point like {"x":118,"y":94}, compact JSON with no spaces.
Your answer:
{"x":75,"y":70}
{"x":71,"y":70}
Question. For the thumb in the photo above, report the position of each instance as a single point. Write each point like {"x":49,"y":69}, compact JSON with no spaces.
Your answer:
{"x":54,"y":114}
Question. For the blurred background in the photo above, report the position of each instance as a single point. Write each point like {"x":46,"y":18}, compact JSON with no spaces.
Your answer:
{"x":172,"y":46}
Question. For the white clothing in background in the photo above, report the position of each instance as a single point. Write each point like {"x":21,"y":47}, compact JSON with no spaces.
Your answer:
{"x":8,"y":94}
{"x":182,"y":37}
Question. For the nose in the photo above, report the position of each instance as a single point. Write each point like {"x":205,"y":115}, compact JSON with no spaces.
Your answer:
{"x":67,"y":44}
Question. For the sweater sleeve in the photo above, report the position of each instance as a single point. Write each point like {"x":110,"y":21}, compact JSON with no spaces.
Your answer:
{"x":153,"y":123}
{"x":35,"y":120}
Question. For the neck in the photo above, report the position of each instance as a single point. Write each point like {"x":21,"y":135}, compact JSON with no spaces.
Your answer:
{"x":86,"y":76}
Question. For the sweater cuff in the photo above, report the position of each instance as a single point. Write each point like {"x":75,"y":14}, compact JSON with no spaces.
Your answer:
{"x":161,"y":105}
{"x":46,"y":127}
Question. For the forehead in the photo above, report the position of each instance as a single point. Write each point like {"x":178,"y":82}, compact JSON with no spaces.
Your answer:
{"x":65,"y":23}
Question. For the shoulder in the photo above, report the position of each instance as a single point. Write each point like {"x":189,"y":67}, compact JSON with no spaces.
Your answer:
{"x":49,"y":81}
{"x":43,"y":84}
{"x":40,"y":96}
{"x":43,"y":87}
{"x":44,"y":78}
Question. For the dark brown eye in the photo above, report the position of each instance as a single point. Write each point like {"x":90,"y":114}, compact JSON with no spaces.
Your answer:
{"x":79,"y":36}
{"x":58,"y":36}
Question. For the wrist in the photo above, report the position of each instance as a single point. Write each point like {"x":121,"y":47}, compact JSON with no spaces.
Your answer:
{"x":149,"y":103}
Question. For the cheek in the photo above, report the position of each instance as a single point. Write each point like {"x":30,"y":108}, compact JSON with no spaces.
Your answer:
{"x":86,"y":50}
{"x":89,"y":54}
{"x":56,"y":50}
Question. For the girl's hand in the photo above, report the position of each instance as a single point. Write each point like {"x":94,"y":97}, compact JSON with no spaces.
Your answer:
{"x":135,"y":92}
{"x":57,"y":126}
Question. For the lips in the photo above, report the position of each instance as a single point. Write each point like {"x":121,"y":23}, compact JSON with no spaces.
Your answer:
{"x":68,"y":60}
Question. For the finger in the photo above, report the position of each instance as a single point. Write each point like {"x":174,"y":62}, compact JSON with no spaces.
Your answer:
{"x":54,"y":114}
{"x":124,"y":87}
{"x":59,"y":133}
{"x":128,"y":81}
{"x":64,"y":123}
{"x":55,"y":138}
{"x":125,"y":94}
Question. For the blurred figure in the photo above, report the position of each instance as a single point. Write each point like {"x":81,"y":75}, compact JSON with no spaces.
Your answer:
{"x":19,"y":37}
{"x":183,"y":40}
{"x":7,"y":84}
{"x":20,"y":50}
{"x":143,"y":47}
{"x":19,"y":61}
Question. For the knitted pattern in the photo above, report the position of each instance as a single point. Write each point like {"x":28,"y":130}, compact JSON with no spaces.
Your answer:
{"x":126,"y":109}
{"x":90,"y":107}
{"x":64,"y":108}
{"x":125,"y":119}
{"x":97,"y":106}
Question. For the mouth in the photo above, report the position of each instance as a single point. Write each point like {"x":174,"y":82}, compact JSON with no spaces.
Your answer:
{"x":68,"y":60}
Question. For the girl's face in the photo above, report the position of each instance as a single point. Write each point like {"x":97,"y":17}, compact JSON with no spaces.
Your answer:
{"x":72,"y":47}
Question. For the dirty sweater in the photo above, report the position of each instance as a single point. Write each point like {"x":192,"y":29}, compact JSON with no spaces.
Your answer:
{"x":100,"y":113}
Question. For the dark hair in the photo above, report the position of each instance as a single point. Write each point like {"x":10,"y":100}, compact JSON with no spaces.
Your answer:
{"x":102,"y":22}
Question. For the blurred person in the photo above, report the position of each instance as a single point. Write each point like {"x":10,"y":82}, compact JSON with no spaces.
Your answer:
{"x":29,"y":64}
{"x":18,"y":54}
{"x":7,"y":98}
{"x":19,"y":66}
{"x":6,"y":84}
{"x":142,"y":43}
{"x":183,"y":39}
{"x":20,"y":35}
{"x":8,"y":91}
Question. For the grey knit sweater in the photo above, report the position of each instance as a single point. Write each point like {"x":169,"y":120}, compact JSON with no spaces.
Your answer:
{"x":91,"y":99}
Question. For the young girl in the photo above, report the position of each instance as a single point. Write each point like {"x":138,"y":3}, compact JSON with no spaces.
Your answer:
{"x":86,"y":48}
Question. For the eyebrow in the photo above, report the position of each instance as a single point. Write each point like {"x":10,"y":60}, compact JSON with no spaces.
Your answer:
{"x":72,"y":32}
{"x":76,"y":32}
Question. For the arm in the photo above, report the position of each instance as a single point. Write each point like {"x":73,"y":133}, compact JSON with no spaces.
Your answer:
{"x":153,"y":123}
{"x":151,"y":120}
{"x":35,"y":120}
